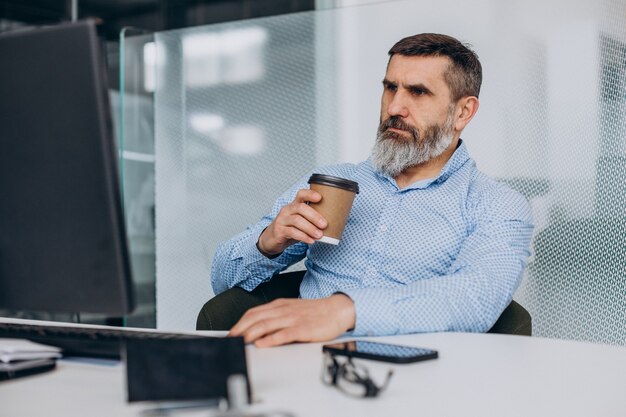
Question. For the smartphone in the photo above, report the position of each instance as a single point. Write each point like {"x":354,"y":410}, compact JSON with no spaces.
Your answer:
{"x":380,"y":351}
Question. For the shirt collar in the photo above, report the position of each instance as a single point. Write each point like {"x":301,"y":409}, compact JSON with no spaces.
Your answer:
{"x":456,"y":161}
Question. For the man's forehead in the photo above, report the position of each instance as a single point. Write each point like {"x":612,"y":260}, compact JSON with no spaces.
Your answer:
{"x":412,"y":70}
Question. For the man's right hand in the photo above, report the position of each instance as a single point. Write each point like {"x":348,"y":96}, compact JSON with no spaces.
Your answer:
{"x":296,"y":222}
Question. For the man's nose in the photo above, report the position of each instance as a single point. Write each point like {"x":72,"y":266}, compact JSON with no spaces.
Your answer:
{"x":397,"y":106}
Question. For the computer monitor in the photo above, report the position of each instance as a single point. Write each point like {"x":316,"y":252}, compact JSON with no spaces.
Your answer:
{"x":63,"y":244}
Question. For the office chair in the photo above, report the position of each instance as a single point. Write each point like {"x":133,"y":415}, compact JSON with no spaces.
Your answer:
{"x":224,"y":310}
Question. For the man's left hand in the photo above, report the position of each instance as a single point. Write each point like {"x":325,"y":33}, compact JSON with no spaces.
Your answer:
{"x":295,"y":320}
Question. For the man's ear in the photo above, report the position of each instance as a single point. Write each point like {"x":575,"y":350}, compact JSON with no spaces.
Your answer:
{"x":466,"y":108}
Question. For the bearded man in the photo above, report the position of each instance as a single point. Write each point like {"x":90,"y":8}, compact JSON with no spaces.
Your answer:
{"x":431,"y":243}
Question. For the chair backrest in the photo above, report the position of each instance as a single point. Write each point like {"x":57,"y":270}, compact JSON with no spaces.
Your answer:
{"x":515,"y":319}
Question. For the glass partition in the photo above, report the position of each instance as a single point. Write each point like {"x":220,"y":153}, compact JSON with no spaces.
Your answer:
{"x":242,"y":110}
{"x":133,"y":110}
{"x":236,"y":122}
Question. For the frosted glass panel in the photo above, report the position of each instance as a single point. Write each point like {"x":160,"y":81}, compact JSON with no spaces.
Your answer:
{"x":244,"y":109}
{"x":235,"y":125}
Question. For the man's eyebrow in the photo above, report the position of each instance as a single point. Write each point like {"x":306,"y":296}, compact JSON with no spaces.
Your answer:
{"x":419,"y":87}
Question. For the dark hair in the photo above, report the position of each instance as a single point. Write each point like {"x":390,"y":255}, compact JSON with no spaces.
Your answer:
{"x":463,"y":76}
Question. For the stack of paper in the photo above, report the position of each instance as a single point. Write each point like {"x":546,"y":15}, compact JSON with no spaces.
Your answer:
{"x":22,"y":357}
{"x":20,"y":349}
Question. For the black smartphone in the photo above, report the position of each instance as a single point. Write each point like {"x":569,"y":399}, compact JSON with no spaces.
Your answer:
{"x":380,"y":351}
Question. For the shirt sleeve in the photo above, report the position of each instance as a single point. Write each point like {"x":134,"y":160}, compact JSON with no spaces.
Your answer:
{"x":477,"y":287}
{"x":238,"y":262}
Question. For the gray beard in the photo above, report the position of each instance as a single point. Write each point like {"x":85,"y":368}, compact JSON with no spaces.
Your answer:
{"x":394,"y":153}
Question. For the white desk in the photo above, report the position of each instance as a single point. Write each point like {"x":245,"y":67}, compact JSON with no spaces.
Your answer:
{"x":475,"y":375}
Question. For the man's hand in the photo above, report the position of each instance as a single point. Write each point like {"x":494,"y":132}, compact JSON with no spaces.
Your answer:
{"x":295,"y":320}
{"x":296,"y":222}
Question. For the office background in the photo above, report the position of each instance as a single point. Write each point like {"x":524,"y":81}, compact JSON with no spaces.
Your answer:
{"x":216,"y":120}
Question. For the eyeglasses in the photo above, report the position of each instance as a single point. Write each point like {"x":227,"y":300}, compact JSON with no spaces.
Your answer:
{"x":350,"y":378}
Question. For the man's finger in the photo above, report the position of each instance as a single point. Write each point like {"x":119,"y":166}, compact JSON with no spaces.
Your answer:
{"x":310,"y":214}
{"x":305,"y":195}
{"x":303,"y":225}
{"x":267,"y":327}
{"x":280,"y":337}
{"x":256,"y":314}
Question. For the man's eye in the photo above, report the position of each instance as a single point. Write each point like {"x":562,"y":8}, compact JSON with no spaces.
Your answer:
{"x":391,"y":87}
{"x":417,"y":92}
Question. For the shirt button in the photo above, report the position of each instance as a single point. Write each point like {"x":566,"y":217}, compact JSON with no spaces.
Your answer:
{"x":383,"y":227}
{"x":371,"y":270}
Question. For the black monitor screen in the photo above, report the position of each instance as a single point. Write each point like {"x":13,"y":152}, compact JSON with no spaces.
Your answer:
{"x":62,"y":236}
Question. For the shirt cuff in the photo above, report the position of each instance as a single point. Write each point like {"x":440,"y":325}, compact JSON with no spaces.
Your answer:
{"x":258,"y":267}
{"x":374,"y":310}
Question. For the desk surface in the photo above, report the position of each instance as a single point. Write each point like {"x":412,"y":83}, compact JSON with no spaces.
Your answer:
{"x":475,"y":375}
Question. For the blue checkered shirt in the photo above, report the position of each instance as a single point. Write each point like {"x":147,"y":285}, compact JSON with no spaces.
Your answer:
{"x":444,"y":254}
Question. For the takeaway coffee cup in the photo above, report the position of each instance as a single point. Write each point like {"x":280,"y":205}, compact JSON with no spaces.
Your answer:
{"x":337,"y":197}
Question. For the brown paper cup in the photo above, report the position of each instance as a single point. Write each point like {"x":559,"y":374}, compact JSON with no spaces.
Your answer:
{"x":337,"y":198}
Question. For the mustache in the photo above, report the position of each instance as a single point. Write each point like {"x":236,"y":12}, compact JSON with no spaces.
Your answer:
{"x":396,"y":122}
